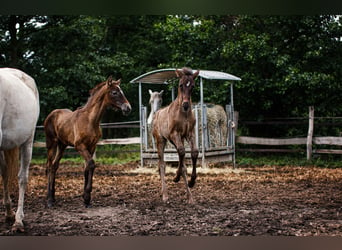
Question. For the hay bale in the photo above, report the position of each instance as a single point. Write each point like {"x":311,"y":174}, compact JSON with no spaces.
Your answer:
{"x":216,"y":125}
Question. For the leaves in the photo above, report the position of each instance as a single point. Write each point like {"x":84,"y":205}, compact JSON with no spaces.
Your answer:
{"x":286,"y":63}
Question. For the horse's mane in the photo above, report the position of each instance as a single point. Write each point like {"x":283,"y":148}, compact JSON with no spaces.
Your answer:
{"x":96,"y":88}
{"x":92,"y":93}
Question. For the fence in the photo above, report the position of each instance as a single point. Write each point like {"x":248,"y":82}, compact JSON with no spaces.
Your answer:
{"x":40,"y":140}
{"x":309,"y":141}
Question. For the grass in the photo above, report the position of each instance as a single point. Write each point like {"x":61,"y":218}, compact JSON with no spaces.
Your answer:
{"x":121,"y":154}
{"x":280,"y":159}
{"x":107,"y":154}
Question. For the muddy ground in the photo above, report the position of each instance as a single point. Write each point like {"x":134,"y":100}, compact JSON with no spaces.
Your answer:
{"x":268,"y":200}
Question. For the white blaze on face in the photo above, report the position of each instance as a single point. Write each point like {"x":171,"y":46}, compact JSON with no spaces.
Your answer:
{"x":121,"y":92}
{"x":188,"y":84}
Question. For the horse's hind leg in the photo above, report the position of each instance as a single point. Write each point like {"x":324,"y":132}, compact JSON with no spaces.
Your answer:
{"x":88,"y":172}
{"x":25,"y":159}
{"x":161,"y":142}
{"x":55,"y":153}
{"x":5,"y":179}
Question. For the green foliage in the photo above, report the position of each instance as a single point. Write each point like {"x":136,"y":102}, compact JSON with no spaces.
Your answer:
{"x":285,"y":57}
{"x":286,"y":63}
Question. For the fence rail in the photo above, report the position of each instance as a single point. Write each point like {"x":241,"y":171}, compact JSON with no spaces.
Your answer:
{"x":309,"y":140}
{"x":324,"y":140}
{"x":117,"y":141}
{"x":270,"y":141}
{"x":111,"y":141}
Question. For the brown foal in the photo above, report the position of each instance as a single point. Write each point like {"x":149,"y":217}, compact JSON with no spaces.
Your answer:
{"x":175,"y":123}
{"x":80,"y":129}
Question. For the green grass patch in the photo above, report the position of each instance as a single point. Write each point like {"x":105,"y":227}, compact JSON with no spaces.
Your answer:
{"x":121,"y":154}
{"x":105,"y":154}
{"x":282,"y":159}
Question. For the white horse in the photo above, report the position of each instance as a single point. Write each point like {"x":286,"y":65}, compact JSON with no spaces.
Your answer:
{"x":19,"y":111}
{"x":156,"y":99}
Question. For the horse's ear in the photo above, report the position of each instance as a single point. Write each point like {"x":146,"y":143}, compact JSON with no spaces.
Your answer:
{"x":117,"y":82}
{"x":150,"y":91}
{"x":179,"y":73}
{"x":161,"y":92}
{"x":109,"y":80}
{"x":194,"y":75}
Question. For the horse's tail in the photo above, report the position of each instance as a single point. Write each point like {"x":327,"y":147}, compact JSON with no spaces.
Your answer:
{"x":50,"y":137}
{"x":12,"y":162}
{"x":50,"y":133}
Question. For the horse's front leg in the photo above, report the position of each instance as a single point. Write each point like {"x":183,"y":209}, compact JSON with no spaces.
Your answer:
{"x":179,"y":144}
{"x":181,"y":171}
{"x":88,"y":173}
{"x":194,"y":156}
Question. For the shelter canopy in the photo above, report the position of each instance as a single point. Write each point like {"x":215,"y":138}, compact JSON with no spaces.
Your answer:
{"x":162,"y":76}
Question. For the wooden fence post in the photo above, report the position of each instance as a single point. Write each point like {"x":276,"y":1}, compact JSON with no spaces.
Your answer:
{"x":236,"y":121}
{"x":310,"y":133}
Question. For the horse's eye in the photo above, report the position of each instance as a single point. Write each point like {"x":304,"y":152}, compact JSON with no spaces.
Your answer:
{"x":115,"y":93}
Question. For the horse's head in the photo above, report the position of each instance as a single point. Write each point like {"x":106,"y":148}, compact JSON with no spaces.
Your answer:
{"x":155,"y":100}
{"x":116,"y":97}
{"x":186,"y":85}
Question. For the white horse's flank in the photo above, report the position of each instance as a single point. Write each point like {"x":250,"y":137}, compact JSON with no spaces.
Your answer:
{"x":155,"y":102}
{"x":19,"y":111}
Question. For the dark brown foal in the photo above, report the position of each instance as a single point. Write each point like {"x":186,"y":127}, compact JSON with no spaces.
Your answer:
{"x":80,"y":129}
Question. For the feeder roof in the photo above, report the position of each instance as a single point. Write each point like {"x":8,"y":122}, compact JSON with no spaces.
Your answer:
{"x":162,"y":76}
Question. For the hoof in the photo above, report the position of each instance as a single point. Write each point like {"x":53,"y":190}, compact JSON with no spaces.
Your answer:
{"x":88,"y":205}
{"x":86,"y":200}
{"x":165,"y":199}
{"x":18,"y":228}
{"x":176,"y":179}
{"x":191,"y":183}
{"x":50,"y":204}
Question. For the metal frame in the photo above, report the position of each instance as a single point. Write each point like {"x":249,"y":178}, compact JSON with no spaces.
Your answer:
{"x":164,"y":76}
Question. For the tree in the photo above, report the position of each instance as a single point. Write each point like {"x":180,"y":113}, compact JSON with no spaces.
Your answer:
{"x":277,"y":57}
{"x":14,"y":32}
{"x":285,"y":55}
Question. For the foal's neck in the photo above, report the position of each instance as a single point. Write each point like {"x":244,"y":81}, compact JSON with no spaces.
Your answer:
{"x":95,"y":107}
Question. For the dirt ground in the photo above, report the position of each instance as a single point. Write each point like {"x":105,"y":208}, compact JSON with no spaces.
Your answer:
{"x":268,"y":200}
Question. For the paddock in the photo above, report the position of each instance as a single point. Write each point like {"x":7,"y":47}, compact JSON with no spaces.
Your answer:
{"x":207,"y":152}
{"x":250,"y":200}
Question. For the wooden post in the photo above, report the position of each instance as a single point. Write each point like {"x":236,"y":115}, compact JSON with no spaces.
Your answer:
{"x":310,"y":133}
{"x":236,"y":121}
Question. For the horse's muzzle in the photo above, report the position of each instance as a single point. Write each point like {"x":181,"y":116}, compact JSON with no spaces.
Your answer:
{"x":126,"y":108}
